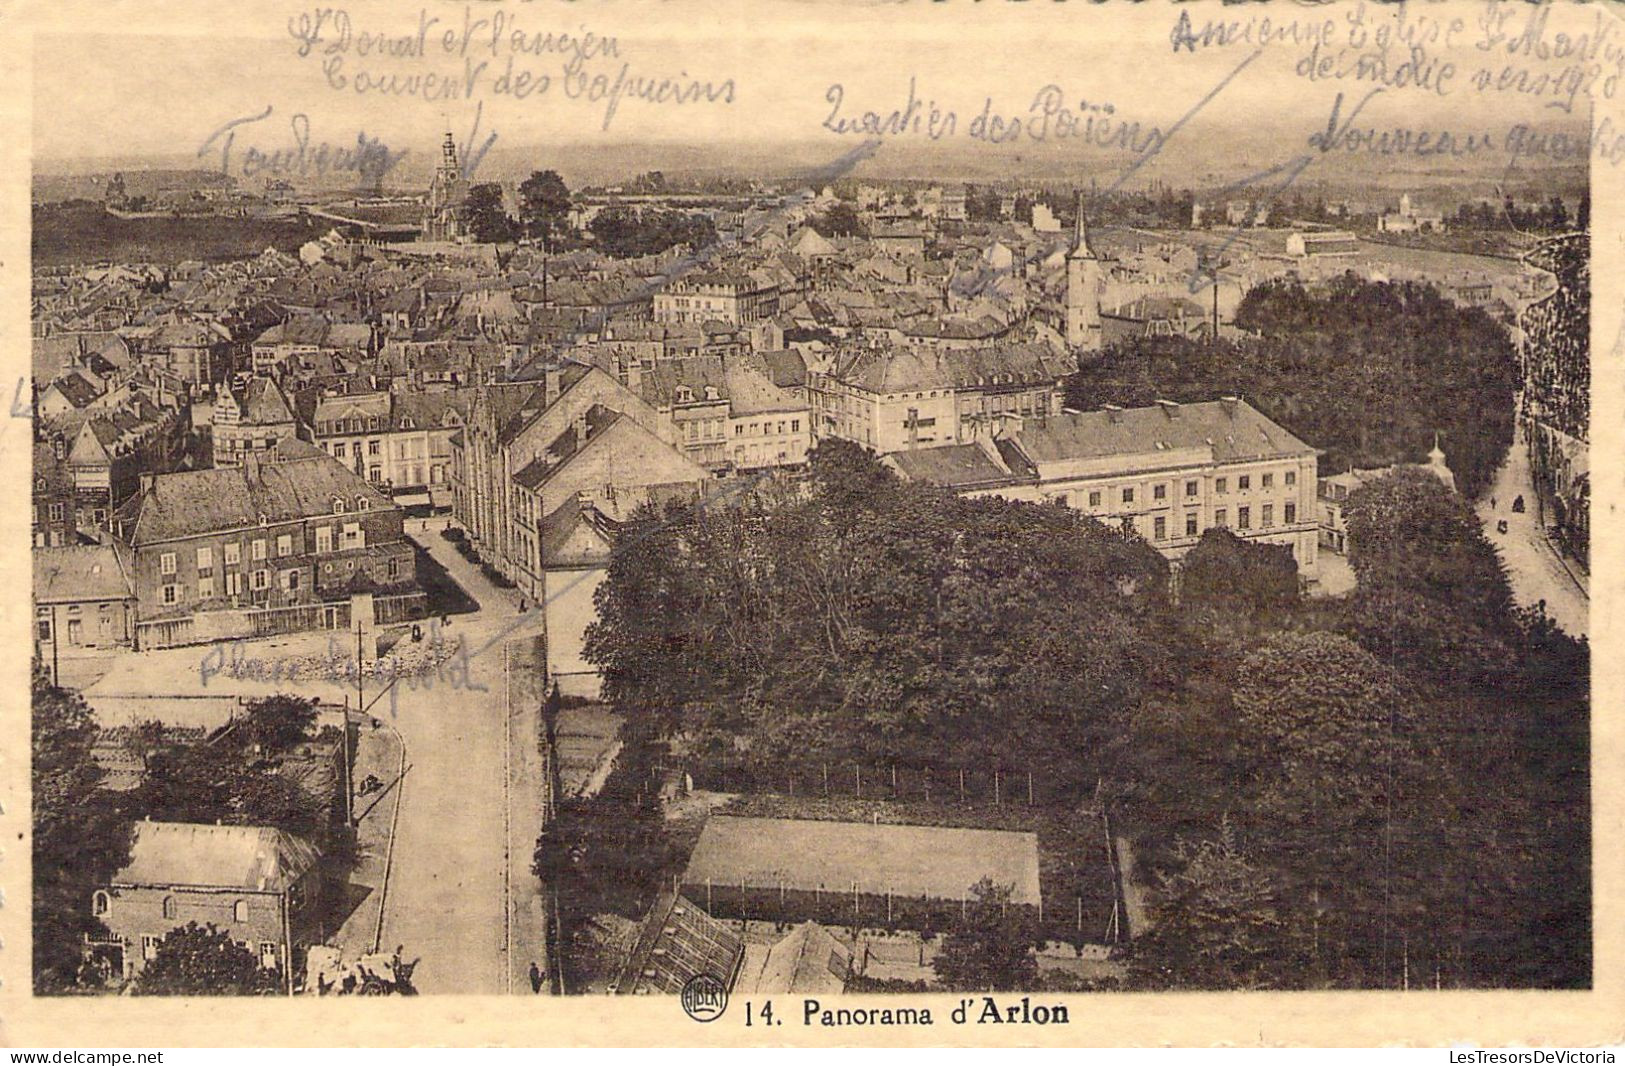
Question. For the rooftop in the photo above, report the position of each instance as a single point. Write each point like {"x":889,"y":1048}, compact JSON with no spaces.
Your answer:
{"x":252,"y":858}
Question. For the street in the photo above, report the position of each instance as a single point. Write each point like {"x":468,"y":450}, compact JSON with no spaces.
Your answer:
{"x":449,"y":887}
{"x":1536,"y":570}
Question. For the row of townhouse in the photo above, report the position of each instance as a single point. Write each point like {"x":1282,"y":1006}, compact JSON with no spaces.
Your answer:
{"x":268,"y":546}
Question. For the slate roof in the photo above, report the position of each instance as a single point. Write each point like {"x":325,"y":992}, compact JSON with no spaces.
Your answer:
{"x":560,"y":526}
{"x":955,"y":466}
{"x":81,"y":573}
{"x":566,"y":446}
{"x":223,"y":498}
{"x":264,"y":404}
{"x":184,"y":854}
{"x":1235,"y":431}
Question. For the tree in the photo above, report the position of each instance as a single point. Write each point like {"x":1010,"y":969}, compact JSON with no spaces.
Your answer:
{"x":278,"y":723}
{"x":1215,"y":923}
{"x":196,"y":960}
{"x":484,"y":216}
{"x":625,"y":232}
{"x":839,"y":220}
{"x":544,"y":204}
{"x":991,"y":948}
{"x":1230,"y":575}
{"x":80,"y":839}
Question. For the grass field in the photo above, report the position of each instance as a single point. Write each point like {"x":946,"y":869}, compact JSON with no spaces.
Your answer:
{"x":69,"y":234}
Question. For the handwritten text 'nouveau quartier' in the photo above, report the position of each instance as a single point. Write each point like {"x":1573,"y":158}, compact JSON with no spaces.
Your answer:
{"x":496,"y":55}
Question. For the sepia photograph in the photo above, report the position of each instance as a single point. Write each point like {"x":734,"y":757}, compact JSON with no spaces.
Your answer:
{"x":531,"y":500}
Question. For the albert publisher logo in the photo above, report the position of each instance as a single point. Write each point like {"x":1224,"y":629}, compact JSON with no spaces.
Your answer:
{"x":704,"y":997}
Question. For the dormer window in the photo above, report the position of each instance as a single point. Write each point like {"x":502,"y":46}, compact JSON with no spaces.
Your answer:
{"x":361,"y":503}
{"x":101,"y":904}
{"x":264,"y":519}
{"x":685,"y":394}
{"x":338,"y":505}
{"x":711,"y":393}
{"x":406,"y":423}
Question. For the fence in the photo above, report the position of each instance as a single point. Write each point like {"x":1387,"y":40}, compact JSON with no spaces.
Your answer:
{"x":250,"y":622}
{"x":979,"y":786}
{"x":1075,"y":920}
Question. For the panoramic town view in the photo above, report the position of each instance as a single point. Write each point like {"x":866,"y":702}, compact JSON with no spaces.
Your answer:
{"x":507,"y":576}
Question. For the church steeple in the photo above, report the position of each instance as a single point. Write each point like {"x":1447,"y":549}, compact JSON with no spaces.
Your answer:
{"x":1083,"y":282}
{"x":1080,"y":235}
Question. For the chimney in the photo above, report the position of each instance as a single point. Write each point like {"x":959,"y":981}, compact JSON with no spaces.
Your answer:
{"x":551,"y":386}
{"x":1114,"y":413}
{"x":1169,"y":408}
{"x":148,"y":483}
{"x":1230,"y":404}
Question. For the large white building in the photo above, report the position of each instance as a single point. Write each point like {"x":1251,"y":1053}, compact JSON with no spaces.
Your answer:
{"x":1168,"y":472}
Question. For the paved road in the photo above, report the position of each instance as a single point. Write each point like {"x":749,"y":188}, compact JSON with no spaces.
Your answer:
{"x":448,"y":889}
{"x":1536,"y":571}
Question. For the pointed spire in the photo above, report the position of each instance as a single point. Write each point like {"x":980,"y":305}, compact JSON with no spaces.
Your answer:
{"x":1080,"y":234}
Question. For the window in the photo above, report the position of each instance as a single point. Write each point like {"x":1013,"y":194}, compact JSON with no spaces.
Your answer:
{"x":260,"y":581}
{"x":1159,"y":528}
{"x":1244,"y":518}
{"x":205,"y":560}
{"x":171,"y":595}
{"x":1221,"y":485}
{"x":375,"y":473}
{"x":1190,"y":488}
{"x":1267,"y":481}
{"x":1220,"y":519}
{"x":42,"y":623}
{"x":239,"y":911}
{"x":361,"y":503}
{"x":352,"y":535}
{"x":1267,"y":518}
{"x":1190,"y":524}
{"x":171,"y":909}
{"x":56,"y":512}
{"x":338,"y":505}
{"x":257,"y":550}
{"x":234,"y":584}
{"x":338,"y":450}
{"x":795,"y":425}
{"x":1244,"y":482}
{"x":149,"y":946}
{"x":205,"y":588}
{"x":1094,"y":499}
{"x":1128,"y":495}
{"x":372,"y":447}
{"x":233,"y":554}
{"x":1289,"y":513}
{"x":268,"y":954}
{"x":1291,"y":477}
{"x":100,"y":904}
{"x":324,"y":539}
{"x":284,"y":545}
{"x":1159,"y":492}
{"x":288,"y":579}
{"x":394,"y":569}
{"x":166,"y":563}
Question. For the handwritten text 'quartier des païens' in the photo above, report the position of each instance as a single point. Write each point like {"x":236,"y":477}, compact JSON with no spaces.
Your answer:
{"x":473,"y":55}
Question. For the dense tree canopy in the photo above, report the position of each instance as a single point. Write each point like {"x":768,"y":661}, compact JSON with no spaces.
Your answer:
{"x":875,"y":620}
{"x":990,"y":948}
{"x":1368,"y":371}
{"x":487,"y":220}
{"x":627,"y":232}
{"x":195,"y":960}
{"x":544,"y":204}
{"x":80,"y":838}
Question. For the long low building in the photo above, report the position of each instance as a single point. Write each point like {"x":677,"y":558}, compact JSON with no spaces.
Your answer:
{"x":1168,"y":472}
{"x":909,"y":876}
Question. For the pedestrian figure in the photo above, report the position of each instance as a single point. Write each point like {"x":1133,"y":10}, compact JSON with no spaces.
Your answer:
{"x":1492,"y":503}
{"x":535,"y":979}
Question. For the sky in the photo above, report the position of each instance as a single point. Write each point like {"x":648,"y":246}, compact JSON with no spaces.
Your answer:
{"x":165,"y":84}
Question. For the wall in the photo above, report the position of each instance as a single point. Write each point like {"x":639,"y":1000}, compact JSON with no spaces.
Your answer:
{"x":569,"y":596}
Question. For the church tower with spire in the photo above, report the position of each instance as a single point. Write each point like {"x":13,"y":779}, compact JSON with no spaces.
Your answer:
{"x":1083,"y":278}
{"x":442,"y":213}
